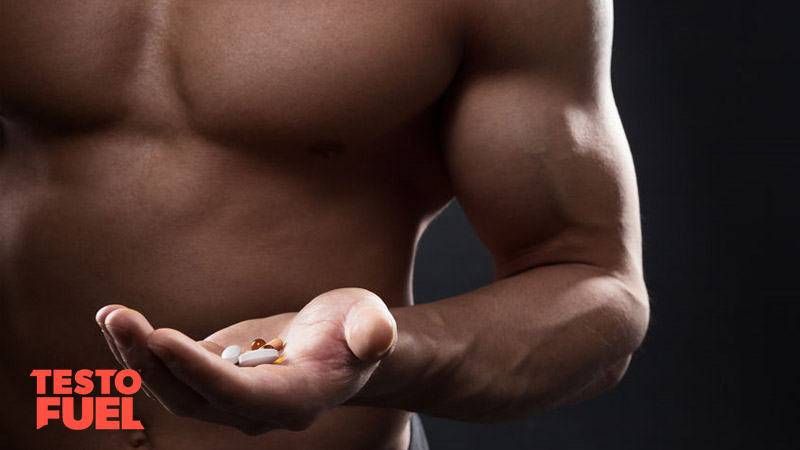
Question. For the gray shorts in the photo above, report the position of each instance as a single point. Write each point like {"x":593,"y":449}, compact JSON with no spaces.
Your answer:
{"x":418,"y":440}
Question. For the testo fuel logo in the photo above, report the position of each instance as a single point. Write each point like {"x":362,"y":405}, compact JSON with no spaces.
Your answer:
{"x":98,"y":399}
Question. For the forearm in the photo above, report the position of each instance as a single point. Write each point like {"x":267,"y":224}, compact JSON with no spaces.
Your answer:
{"x":545,"y":337}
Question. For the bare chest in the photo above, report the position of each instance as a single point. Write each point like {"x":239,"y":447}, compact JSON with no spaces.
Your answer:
{"x":276,"y":69}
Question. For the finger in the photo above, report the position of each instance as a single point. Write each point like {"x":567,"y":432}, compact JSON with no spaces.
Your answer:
{"x":129,"y":329}
{"x":100,"y":318}
{"x":124,"y":337}
{"x":370,"y":329}
{"x":252,"y":391}
{"x":212,"y":347}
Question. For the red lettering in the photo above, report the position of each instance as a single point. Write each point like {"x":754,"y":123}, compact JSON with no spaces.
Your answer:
{"x":107,"y":413}
{"x":105,"y":380}
{"x":43,"y":411}
{"x":62,"y":382}
{"x":104,"y":413}
{"x":127,"y":415}
{"x":83,"y":378}
{"x":136,"y":382}
{"x":68,"y":413}
{"x":41,"y":380}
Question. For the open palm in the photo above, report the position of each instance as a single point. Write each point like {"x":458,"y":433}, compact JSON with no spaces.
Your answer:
{"x":332,"y":347}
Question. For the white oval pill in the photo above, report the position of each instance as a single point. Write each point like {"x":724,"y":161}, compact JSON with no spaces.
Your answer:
{"x":231,"y":353}
{"x":257,"y":357}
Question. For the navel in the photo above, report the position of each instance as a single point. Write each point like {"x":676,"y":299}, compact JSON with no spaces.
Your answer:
{"x":138,"y":439}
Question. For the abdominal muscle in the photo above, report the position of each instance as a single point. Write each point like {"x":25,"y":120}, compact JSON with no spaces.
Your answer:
{"x":197,"y":237}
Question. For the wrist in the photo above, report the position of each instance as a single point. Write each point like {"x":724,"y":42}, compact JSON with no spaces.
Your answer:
{"x":400,"y":379}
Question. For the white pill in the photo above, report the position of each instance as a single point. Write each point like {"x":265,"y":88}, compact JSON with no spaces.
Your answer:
{"x":232,"y":353}
{"x":256,"y":357}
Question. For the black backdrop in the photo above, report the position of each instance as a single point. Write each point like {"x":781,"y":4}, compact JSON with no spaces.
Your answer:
{"x":709,"y":95}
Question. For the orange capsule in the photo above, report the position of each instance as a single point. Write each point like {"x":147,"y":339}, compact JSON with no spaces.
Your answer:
{"x":276,"y":343}
{"x":257,"y":344}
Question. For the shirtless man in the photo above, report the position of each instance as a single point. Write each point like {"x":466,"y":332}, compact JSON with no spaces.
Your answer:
{"x":204,"y":163}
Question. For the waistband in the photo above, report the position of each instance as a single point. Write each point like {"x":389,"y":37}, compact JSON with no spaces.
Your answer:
{"x":418,"y":439}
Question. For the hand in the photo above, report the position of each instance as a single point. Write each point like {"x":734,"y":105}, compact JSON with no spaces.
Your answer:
{"x":333,"y":345}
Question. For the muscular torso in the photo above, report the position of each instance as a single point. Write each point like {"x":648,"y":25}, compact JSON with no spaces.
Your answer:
{"x":207,"y":162}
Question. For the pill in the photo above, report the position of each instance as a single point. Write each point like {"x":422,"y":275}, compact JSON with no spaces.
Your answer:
{"x":257,"y":357}
{"x":231,"y":353}
{"x":257,"y":344}
{"x":276,"y":343}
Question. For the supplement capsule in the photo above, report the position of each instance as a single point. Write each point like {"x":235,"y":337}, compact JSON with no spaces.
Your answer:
{"x":231,"y":353}
{"x":276,"y":343}
{"x":258,"y":357}
{"x":257,"y":344}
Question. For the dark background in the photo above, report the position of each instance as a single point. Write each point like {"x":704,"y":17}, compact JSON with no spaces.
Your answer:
{"x":708,"y":92}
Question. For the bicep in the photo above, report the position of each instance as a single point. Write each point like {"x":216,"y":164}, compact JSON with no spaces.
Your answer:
{"x":540,"y":164}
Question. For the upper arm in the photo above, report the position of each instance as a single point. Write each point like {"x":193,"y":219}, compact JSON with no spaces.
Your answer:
{"x":533,"y":142}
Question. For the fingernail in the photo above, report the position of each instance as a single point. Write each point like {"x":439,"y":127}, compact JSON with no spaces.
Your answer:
{"x":123,"y":339}
{"x":163,"y":353}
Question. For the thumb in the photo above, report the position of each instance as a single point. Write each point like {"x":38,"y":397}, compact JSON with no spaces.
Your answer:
{"x":370,"y":329}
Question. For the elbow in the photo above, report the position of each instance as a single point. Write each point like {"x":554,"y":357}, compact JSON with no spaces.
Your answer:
{"x":615,"y":373}
{"x":636,"y":316}
{"x":610,"y":371}
{"x":617,"y":327}
{"x":633,"y":318}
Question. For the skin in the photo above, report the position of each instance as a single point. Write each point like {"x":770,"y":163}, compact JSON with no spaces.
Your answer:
{"x":265,"y":169}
